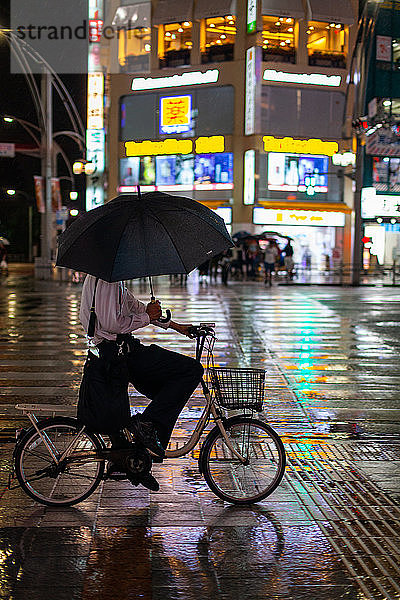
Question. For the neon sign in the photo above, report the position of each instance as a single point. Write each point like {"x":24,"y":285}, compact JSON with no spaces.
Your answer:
{"x":290,"y":145}
{"x":305,"y":78}
{"x":175,"y":114}
{"x":318,"y":218}
{"x":203,"y":145}
{"x":190,"y":78}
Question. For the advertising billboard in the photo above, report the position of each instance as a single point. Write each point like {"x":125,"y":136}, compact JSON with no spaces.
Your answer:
{"x":386,"y":174}
{"x":177,"y":172}
{"x":287,"y":172}
{"x":175,"y":114}
{"x":213,"y":168}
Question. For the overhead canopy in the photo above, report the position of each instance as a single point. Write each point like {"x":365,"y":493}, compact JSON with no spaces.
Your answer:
{"x":173,"y":11}
{"x":205,"y":9}
{"x":332,"y":11}
{"x":133,"y":16}
{"x":283,"y":8}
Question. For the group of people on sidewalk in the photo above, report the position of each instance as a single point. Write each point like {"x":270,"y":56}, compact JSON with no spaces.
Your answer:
{"x":243,"y":262}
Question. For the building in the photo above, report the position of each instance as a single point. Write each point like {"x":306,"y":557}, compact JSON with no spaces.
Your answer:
{"x":377,"y":125}
{"x":238,"y":105}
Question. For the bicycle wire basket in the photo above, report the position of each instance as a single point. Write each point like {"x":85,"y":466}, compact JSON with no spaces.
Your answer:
{"x":238,"y":388}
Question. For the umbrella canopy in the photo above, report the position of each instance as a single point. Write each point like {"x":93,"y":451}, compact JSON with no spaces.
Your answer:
{"x":137,"y":236}
{"x":269,"y":233}
{"x":240,"y":235}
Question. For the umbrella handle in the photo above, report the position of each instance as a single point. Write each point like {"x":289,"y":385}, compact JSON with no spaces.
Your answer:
{"x":168,"y":313}
{"x":167,"y":318}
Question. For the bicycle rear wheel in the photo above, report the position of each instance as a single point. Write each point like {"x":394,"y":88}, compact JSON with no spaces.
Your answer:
{"x":233,"y":480}
{"x":63,"y":484}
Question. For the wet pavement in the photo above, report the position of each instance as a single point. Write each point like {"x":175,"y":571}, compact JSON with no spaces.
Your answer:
{"x":332,"y":528}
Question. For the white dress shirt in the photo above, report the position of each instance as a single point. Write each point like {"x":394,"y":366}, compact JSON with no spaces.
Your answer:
{"x":117,"y":310}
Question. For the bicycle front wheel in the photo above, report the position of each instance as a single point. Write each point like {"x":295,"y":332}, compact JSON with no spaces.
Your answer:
{"x":67,"y":482}
{"x":254,"y":478}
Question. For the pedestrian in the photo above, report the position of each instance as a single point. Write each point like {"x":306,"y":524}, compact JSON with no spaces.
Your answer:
{"x":288,"y":260}
{"x":203,"y":272}
{"x":167,"y":378}
{"x":213,"y":268}
{"x":3,"y":258}
{"x":237,"y":262}
{"x":270,"y":258}
{"x":225,"y":266}
{"x":252,"y":252}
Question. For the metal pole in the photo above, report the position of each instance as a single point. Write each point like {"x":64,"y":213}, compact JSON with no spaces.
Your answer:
{"x":357,"y":245}
{"x":46,"y":226}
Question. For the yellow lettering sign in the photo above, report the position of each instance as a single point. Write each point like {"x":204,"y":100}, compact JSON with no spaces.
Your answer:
{"x":290,"y":145}
{"x":214,"y":143}
{"x":149,"y":148}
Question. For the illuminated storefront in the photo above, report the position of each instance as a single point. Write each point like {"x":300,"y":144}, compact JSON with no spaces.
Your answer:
{"x":235,"y":122}
{"x":381,"y":218}
{"x":299,"y":196}
{"x":317,"y":231}
{"x":168,"y":153}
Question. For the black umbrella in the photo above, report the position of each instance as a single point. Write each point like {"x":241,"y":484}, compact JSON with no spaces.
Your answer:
{"x":268,"y":233}
{"x":137,"y":236}
{"x":240,"y":235}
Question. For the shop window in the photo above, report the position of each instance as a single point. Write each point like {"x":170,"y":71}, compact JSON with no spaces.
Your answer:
{"x":174,"y":44}
{"x":396,"y":53}
{"x":327,"y":44}
{"x":134,"y":49}
{"x":278,"y":36}
{"x":217,"y":39}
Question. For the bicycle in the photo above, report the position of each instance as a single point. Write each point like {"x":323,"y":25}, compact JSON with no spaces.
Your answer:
{"x":58,"y":462}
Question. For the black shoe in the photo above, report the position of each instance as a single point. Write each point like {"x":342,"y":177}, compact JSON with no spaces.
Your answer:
{"x":156,"y":459}
{"x":149,"y":482}
{"x":146,"y":434}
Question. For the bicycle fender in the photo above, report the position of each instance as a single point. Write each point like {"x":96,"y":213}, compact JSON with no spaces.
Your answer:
{"x":49,"y":421}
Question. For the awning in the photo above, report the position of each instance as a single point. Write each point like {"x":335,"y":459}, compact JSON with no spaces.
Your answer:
{"x":283,"y":8}
{"x":325,"y":206}
{"x":173,"y":11}
{"x":133,"y":16}
{"x":206,"y":9}
{"x":332,"y":11}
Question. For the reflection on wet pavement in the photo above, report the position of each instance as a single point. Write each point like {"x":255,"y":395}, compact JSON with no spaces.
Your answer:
{"x":330,"y":530}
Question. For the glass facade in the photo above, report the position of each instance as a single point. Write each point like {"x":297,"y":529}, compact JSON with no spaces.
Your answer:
{"x":134,"y":49}
{"x":278,"y":35}
{"x":174,"y":44}
{"x":217,"y":39}
{"x":327,"y":44}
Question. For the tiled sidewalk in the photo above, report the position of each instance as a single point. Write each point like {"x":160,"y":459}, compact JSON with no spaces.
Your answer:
{"x":329,"y":531}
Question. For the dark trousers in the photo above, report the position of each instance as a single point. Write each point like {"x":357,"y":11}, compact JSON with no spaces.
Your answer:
{"x":168,"y":379}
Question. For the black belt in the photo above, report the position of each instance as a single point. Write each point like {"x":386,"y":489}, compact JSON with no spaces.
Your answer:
{"x":124,"y":344}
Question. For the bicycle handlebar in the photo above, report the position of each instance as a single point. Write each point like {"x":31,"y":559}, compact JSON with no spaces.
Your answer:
{"x":201,"y":330}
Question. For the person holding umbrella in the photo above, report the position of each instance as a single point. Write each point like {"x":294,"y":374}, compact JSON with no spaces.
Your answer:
{"x":167,"y":378}
{"x":133,"y":237}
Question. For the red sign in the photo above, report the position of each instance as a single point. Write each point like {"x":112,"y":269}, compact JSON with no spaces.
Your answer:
{"x":95,"y":29}
{"x":39,"y":193}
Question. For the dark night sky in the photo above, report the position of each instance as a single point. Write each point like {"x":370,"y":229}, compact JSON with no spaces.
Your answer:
{"x":15,"y":99}
{"x":17,"y":173}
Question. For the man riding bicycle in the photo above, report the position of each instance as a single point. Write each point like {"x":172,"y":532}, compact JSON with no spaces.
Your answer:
{"x":167,"y":378}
